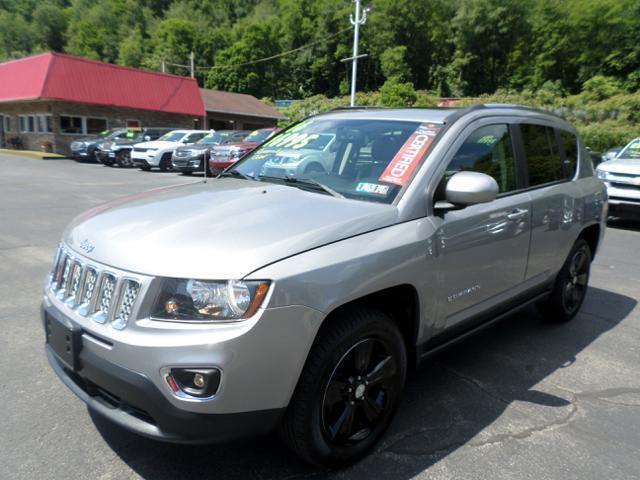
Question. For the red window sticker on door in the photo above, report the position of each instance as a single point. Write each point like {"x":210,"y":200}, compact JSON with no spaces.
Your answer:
{"x":405,"y":161}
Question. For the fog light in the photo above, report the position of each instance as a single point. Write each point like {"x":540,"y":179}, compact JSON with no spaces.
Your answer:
{"x":198,"y":380}
{"x":193,"y":382}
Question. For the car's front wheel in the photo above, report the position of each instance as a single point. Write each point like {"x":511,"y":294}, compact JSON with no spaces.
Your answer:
{"x":349,"y":389}
{"x":165,"y":163}
{"x":124,"y":159}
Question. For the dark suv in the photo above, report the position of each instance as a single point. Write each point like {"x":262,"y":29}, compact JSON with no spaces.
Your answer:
{"x":118,"y":151}
{"x":85,"y":148}
{"x":191,"y":158}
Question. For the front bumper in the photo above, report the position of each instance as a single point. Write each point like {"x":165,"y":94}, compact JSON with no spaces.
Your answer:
{"x":188,"y":164}
{"x":623,"y":196}
{"x":118,"y":373}
{"x":131,"y":401}
{"x":146,"y":159}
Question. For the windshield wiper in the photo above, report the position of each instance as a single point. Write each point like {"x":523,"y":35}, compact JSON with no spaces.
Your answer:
{"x":308,"y":182}
{"x":236,"y":173}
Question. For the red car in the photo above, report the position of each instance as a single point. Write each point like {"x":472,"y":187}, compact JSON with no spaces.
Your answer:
{"x":222,"y":156}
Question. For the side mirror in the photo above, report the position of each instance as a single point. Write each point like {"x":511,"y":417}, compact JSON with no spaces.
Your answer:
{"x":147,"y":138}
{"x":468,"y":188}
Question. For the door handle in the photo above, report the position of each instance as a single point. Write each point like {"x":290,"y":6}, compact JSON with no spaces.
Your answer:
{"x":517,"y":214}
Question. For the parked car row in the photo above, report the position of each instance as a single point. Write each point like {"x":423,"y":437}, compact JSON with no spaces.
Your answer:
{"x":620,"y":171}
{"x":167,"y":149}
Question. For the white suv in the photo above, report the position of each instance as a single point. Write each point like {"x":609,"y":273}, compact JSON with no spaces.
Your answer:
{"x":621,"y":175}
{"x":157,"y":153}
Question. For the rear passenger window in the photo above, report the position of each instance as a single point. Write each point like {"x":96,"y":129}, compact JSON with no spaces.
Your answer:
{"x":487,"y":150}
{"x":570,"y":144}
{"x":543,"y":155}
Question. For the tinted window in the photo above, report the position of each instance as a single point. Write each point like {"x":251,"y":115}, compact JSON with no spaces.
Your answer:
{"x":543,"y":156}
{"x":487,"y":150}
{"x":570,"y":144}
{"x":194,"y":137}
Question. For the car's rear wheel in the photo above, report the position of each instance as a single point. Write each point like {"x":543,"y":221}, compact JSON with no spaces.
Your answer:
{"x":570,"y":287}
{"x":165,"y":163}
{"x":349,"y":389}
{"x":124,"y":159}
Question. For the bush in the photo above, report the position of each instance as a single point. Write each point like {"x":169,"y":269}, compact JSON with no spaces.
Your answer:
{"x":395,"y":93}
{"x":602,"y":136}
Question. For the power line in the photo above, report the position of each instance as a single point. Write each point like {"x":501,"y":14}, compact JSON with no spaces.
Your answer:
{"x":266,"y":59}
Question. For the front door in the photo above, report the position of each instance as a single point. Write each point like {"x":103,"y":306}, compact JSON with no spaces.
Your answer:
{"x":482,"y":249}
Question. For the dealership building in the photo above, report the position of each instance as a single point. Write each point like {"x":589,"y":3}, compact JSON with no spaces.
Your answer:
{"x":50,"y":99}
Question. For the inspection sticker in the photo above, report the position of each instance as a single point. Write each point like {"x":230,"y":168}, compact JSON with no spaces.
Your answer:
{"x":405,"y":161}
{"x":374,"y":188}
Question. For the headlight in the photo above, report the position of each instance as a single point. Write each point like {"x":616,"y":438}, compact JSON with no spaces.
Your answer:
{"x":208,"y":300}
{"x":601,"y":174}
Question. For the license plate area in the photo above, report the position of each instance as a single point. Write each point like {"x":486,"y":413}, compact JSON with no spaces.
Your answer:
{"x":64,"y":341}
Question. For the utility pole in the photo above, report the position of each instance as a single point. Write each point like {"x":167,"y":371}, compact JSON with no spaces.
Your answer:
{"x":192,"y":65}
{"x":356,"y":22}
{"x":163,"y":66}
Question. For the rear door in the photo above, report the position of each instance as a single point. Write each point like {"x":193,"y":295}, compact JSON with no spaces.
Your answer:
{"x":482,"y":249}
{"x":556,"y":208}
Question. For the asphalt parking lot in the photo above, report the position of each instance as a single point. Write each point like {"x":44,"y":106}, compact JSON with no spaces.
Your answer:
{"x":524,"y":400}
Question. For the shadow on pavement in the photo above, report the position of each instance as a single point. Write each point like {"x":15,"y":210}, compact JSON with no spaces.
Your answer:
{"x":448,"y":402}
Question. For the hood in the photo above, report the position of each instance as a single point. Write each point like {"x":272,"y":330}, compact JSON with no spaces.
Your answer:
{"x":88,"y":139}
{"x":224,"y":229}
{"x":125,"y":141}
{"x":237,"y":146}
{"x":158,"y":144}
{"x":194,"y":146}
{"x":621,"y":165}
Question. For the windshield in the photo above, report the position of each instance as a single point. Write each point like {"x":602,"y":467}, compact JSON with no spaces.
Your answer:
{"x":113,"y":134}
{"x":172,"y":137}
{"x":215,"y":138}
{"x":258,"y":136}
{"x":632,"y":150}
{"x":363,"y":159}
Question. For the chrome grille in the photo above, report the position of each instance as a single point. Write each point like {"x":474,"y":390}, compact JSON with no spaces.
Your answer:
{"x":129,"y":292}
{"x":93,"y":290}
{"x":105,"y":298}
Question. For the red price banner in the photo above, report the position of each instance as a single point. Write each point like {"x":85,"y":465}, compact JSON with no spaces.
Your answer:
{"x":405,"y":161}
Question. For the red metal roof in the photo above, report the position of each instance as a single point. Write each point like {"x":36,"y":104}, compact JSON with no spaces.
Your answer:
{"x":59,"y":76}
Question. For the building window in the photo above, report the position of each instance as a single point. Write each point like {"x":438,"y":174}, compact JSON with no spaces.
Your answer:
{"x":44,"y":123}
{"x":49,"y":123}
{"x":95,"y":125}
{"x":7,"y":124}
{"x":70,"y":124}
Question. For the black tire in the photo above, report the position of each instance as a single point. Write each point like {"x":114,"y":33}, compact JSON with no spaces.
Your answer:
{"x":336,"y":415}
{"x":570,"y":287}
{"x":165,"y":163}
{"x":123,"y":159}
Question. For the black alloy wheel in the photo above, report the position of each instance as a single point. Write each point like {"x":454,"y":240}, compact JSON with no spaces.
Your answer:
{"x":570,"y":287}
{"x":358,"y":392}
{"x":165,"y":163}
{"x":575,"y":285}
{"x":348,"y":390}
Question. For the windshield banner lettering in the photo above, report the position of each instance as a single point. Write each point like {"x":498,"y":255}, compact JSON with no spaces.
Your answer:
{"x":405,"y":161}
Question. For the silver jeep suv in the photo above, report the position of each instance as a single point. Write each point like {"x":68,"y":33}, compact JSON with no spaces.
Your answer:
{"x":296,"y":299}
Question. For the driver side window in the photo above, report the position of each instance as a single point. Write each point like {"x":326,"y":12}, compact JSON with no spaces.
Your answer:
{"x":487,"y":150}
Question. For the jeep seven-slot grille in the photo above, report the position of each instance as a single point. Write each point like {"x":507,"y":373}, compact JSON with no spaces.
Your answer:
{"x":96,"y":292}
